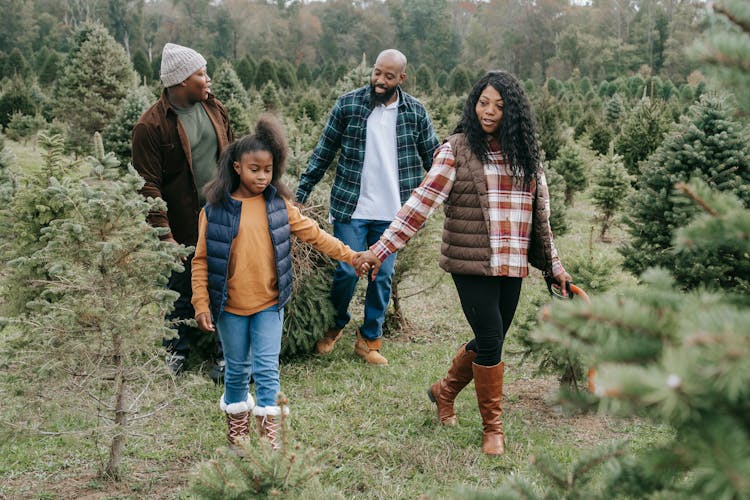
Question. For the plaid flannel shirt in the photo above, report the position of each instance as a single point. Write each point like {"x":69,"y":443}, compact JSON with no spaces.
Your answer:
{"x":510,"y":213}
{"x":345,"y":132}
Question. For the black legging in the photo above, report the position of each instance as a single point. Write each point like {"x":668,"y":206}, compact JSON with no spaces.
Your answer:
{"x":489,"y":303}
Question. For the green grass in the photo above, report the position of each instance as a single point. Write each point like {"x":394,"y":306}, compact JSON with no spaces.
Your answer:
{"x":374,"y":428}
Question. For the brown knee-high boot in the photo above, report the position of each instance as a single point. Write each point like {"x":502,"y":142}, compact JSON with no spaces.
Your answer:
{"x":488,"y":382}
{"x":444,"y":391}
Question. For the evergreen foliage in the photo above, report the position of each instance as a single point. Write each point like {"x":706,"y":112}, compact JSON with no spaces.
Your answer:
{"x":310,"y":311}
{"x":676,"y":358}
{"x":548,"y":123}
{"x":570,"y":165}
{"x":50,"y":69}
{"x":92,"y":331}
{"x":118,"y":134}
{"x":22,"y":127}
{"x":97,"y":75}
{"x":142,"y":67}
{"x":230,"y":90}
{"x":459,"y":82}
{"x":24,"y":217}
{"x":610,"y":190}
{"x":558,"y":207}
{"x":256,"y":470}
{"x":642,"y":132}
{"x":17,"y":98}
{"x":615,"y":111}
{"x":725,"y":52}
{"x":246,"y":71}
{"x":708,"y":144}
{"x":266,"y":72}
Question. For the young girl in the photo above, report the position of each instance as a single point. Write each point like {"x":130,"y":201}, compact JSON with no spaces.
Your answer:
{"x":242,"y":271}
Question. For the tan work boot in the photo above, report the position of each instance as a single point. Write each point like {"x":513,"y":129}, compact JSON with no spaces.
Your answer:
{"x":369,"y":350}
{"x":328,"y":342}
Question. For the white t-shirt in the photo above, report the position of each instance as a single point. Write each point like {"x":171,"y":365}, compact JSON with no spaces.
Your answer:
{"x":379,"y":197}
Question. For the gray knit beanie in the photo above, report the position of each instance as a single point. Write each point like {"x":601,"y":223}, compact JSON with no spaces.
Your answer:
{"x":178,"y":63}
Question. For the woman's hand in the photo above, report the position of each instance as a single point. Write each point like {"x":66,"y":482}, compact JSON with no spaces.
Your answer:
{"x":205,"y":323}
{"x":360,"y":266}
{"x":563,"y":279}
{"x":369,"y":259}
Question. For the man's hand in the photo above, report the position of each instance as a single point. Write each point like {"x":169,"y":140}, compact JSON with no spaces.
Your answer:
{"x":170,"y":239}
{"x":205,"y":323}
{"x":368,"y":258}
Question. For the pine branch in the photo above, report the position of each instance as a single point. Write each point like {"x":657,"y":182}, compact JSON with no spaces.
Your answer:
{"x":690,"y":193}
{"x":741,"y":23}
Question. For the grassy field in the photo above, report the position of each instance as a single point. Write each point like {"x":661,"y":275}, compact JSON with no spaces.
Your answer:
{"x":373,"y":429}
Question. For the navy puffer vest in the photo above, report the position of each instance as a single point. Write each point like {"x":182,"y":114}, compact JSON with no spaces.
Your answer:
{"x":223,"y":225}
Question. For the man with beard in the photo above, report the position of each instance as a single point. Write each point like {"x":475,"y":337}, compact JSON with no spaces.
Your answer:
{"x":176,"y":145}
{"x":385,"y":140}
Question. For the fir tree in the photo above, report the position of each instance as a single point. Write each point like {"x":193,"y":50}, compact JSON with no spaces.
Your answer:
{"x":246,"y":71}
{"x":425,"y":79}
{"x":675,"y":358}
{"x":725,"y":52}
{"x":92,"y":332}
{"x":459,"y":82}
{"x":229,"y":89}
{"x":642,"y":132}
{"x":548,"y":120}
{"x":260,"y":471}
{"x":287,"y":75}
{"x":97,"y":75}
{"x":118,"y":134}
{"x":50,"y":69}
{"x":570,"y":165}
{"x":17,"y":98}
{"x":265,"y":73}
{"x":24,"y":218}
{"x":17,"y":65}
{"x":615,"y":111}
{"x":708,"y":144}
{"x":611,"y":188}
{"x":142,"y":66}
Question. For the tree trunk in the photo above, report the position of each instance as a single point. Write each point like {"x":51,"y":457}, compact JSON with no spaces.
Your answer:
{"x":118,"y":440}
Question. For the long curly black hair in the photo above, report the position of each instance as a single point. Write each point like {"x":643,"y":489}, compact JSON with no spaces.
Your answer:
{"x":515,"y":134}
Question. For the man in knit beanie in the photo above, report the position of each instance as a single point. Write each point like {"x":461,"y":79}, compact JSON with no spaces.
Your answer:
{"x":176,"y":146}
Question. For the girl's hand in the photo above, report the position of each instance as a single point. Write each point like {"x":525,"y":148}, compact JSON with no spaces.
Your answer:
{"x":360,"y":267}
{"x":369,"y":258}
{"x":205,"y":323}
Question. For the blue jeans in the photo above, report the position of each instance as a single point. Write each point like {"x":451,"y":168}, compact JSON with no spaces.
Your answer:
{"x":359,"y":234}
{"x":251,"y":347}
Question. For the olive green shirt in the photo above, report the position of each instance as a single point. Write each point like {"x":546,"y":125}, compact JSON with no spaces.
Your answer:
{"x":204,"y":147}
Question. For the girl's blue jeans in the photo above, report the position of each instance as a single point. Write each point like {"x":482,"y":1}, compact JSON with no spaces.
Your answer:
{"x":359,"y":234}
{"x":251,"y":347}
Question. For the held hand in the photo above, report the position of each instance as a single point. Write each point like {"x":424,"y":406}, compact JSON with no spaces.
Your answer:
{"x":563,"y":279}
{"x":298,"y":205}
{"x":360,"y":267}
{"x":174,"y":242}
{"x":205,"y":323}
{"x":368,"y":257}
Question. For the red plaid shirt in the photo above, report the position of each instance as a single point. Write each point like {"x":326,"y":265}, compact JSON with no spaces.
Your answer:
{"x":510,"y":213}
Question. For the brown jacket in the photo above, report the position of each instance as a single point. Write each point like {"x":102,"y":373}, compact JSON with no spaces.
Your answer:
{"x":161,"y":155}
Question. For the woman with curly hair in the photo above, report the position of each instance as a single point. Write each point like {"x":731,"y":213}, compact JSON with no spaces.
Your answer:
{"x":489,"y":175}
